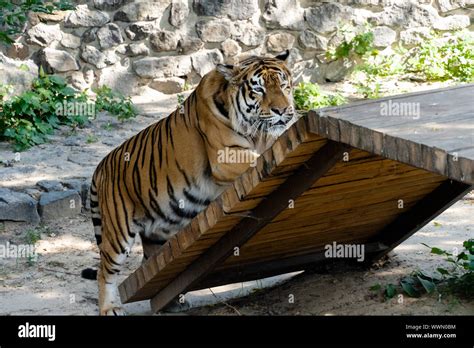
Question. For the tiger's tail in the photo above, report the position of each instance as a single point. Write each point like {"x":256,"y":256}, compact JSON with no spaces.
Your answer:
{"x":90,"y":273}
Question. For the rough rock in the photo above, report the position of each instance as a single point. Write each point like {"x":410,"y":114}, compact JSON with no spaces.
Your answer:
{"x":415,"y":36}
{"x":38,"y":17}
{"x":216,"y":30}
{"x":189,"y":45}
{"x":326,"y":17}
{"x":234,"y":9}
{"x":312,"y":41}
{"x":170,"y":85}
{"x":83,"y":17}
{"x":50,"y":185}
{"x":137,"y":49}
{"x":142,"y":11}
{"x":336,"y":70}
{"x":307,"y":71}
{"x":34,"y":193}
{"x":77,"y":81}
{"x":92,"y":55}
{"x":17,"y":206}
{"x":361,"y":16}
{"x":90,"y":35}
{"x":54,"y":205}
{"x":248,"y":34}
{"x":139,"y":31}
{"x":205,"y":61}
{"x":17,"y":50}
{"x":164,"y":41}
{"x":53,"y":60}
{"x":120,"y":79}
{"x":406,"y":14}
{"x":19,"y":74}
{"x":89,"y":75}
{"x":450,"y":5}
{"x":81,"y":186}
{"x":283,"y":14}
{"x":70,"y":41}
{"x":109,"y":36}
{"x":279,"y":42}
{"x":455,"y":22}
{"x":108,"y":5}
{"x":230,"y":48}
{"x":43,"y":34}
{"x":179,"y":13}
{"x":156,"y":67}
{"x":384,"y":36}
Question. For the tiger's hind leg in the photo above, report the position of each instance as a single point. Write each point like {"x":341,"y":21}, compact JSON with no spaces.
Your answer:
{"x":114,"y":250}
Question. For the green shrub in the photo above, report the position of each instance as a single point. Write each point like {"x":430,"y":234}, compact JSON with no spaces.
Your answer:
{"x":309,"y":96}
{"x":29,"y":118}
{"x":114,"y":102}
{"x":444,"y":58}
{"x":458,"y":279}
{"x":383,"y":65}
{"x":354,"y":44}
{"x":436,"y":59}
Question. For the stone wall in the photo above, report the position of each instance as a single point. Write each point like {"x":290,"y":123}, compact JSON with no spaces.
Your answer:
{"x":163,"y":43}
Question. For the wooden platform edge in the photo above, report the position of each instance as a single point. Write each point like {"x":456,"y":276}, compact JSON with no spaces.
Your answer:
{"x":319,"y":164}
{"x":402,"y":150}
{"x":428,"y":208}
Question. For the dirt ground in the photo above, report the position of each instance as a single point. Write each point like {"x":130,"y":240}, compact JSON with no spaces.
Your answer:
{"x":52,"y":285}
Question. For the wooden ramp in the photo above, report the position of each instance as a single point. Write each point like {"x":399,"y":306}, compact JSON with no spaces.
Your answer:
{"x":355,"y":174}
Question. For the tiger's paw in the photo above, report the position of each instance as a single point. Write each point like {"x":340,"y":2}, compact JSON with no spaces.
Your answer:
{"x":113,"y":311}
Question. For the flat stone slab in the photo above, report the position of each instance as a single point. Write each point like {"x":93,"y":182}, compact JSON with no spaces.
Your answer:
{"x":54,"y":205}
{"x":17,"y":206}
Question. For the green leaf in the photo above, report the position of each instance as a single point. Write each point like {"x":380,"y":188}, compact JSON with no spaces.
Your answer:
{"x":469,"y":245}
{"x":442,"y":271}
{"x":438,"y":251}
{"x":428,"y":285}
{"x":24,"y":67}
{"x":390,"y":291}
{"x":407,"y":286}
{"x":375,"y":287}
{"x":437,"y":224}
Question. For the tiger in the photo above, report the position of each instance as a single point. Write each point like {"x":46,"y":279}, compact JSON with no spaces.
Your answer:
{"x":157,"y":181}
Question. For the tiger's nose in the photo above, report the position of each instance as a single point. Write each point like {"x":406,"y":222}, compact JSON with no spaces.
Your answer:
{"x":280,"y":111}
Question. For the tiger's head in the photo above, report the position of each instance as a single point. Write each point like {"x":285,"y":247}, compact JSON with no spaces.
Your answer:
{"x":260,"y":95}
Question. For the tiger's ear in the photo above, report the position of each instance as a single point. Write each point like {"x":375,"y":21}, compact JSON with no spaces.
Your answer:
{"x":283,"y":56}
{"x":227,"y":70}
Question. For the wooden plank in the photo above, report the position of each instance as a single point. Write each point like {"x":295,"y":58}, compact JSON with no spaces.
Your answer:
{"x":423,"y":212}
{"x":438,"y":99}
{"x":404,"y":150}
{"x":317,"y":166}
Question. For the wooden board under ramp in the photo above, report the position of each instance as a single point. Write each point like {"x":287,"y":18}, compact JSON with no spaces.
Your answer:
{"x":350,"y":174}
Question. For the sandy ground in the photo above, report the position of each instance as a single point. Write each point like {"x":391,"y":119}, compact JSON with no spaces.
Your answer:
{"x":52,"y":285}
